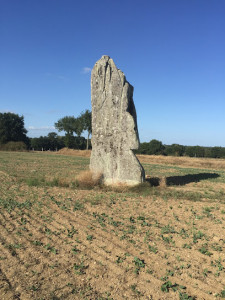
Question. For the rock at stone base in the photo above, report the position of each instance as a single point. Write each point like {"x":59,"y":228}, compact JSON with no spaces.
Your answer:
{"x":114,"y":126}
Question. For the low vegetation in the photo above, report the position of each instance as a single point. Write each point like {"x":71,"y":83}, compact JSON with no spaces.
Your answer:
{"x":64,"y":240}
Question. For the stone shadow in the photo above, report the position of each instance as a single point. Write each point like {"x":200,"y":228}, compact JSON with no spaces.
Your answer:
{"x":153,"y":181}
{"x":182,"y":180}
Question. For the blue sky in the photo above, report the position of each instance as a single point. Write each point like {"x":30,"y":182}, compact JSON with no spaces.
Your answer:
{"x":171,"y":51}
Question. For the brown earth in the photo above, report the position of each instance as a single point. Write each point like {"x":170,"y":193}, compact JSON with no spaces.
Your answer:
{"x":158,"y":243}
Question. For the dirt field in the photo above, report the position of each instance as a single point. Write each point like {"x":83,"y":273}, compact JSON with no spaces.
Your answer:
{"x":61,"y":241}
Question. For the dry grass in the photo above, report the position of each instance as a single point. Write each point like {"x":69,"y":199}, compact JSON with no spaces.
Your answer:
{"x":81,"y":153}
{"x":87,"y":179}
{"x":162,"y":182}
{"x":195,"y":162}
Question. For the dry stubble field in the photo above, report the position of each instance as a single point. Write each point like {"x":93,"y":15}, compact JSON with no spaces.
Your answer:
{"x":59,"y":240}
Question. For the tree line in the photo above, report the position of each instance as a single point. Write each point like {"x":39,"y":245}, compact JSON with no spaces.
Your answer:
{"x":155,"y":147}
{"x":13,"y":136}
{"x":54,"y":142}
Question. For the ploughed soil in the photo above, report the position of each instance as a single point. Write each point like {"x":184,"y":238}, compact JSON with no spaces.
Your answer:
{"x":162,"y":242}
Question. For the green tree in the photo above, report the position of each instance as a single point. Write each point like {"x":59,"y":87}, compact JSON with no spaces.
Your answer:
{"x":50,"y":142}
{"x":217,"y":152}
{"x":195,"y":151}
{"x":200,"y":151}
{"x":155,"y":147}
{"x":143,"y":148}
{"x":190,"y":151}
{"x":34,"y":143}
{"x":12,"y":128}
{"x":70,"y":125}
{"x":85,"y":119}
{"x":53,"y":140}
{"x":41,"y":143}
{"x":74,"y":142}
{"x":174,"y":150}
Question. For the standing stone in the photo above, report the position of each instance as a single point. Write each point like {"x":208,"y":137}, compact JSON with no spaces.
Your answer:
{"x":114,"y":126}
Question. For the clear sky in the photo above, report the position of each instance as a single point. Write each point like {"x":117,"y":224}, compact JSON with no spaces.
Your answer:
{"x":171,"y":51}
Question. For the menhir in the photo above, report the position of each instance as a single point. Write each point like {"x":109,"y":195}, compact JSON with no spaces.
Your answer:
{"x":114,"y":126}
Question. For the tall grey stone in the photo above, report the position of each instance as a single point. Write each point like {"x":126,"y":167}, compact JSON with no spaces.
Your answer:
{"x":114,"y":126}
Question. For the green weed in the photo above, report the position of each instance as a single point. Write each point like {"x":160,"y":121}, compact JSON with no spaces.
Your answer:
{"x":153,"y":249}
{"x":204,"y":250}
{"x":168,"y":285}
{"x":71,"y":232}
{"x":78,"y":205}
{"x":139,"y":263}
{"x":80,"y":268}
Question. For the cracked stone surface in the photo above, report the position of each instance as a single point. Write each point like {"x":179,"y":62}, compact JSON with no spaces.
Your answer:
{"x":114,"y":126}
